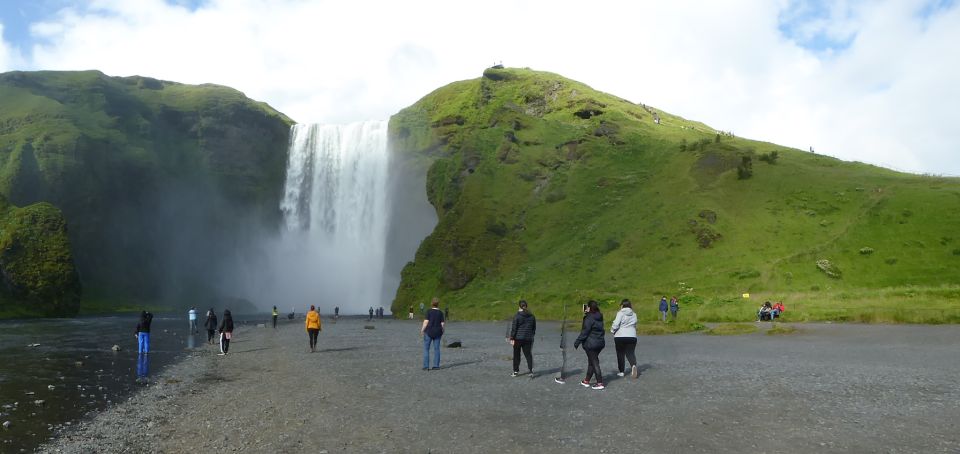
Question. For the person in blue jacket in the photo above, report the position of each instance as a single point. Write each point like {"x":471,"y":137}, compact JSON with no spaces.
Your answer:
{"x":663,"y":309}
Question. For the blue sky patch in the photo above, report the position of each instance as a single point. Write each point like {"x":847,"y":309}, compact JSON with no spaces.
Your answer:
{"x":817,"y":25}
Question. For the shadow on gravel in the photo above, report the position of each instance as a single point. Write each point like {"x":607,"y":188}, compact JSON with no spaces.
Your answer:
{"x":344,"y":349}
{"x":556,"y":370}
{"x":463,"y":363}
{"x":252,"y":350}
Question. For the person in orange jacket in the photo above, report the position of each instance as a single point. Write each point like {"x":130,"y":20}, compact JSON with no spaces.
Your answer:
{"x":313,"y":327}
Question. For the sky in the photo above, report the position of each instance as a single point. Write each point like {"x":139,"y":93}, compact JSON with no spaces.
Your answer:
{"x":870,"y":81}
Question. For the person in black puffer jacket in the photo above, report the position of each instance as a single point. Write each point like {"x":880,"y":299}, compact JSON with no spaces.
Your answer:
{"x":591,"y":337}
{"x":226,"y":332}
{"x":522,"y":333}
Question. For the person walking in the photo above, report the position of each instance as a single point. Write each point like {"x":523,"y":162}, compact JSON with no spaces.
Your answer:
{"x":210,"y":324}
{"x":624,"y":329}
{"x":226,"y":332}
{"x":275,"y":314}
{"x":663,"y":309}
{"x":336,"y":312}
{"x":313,"y":327}
{"x":591,"y":337}
{"x":421,"y":309}
{"x":192,"y":317}
{"x":143,"y":332}
{"x":432,"y":331}
{"x":410,"y":313}
{"x":370,"y":317}
{"x":674,"y":308}
{"x":522,"y":333}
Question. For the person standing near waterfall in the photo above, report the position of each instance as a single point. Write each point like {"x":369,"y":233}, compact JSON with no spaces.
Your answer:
{"x":432,"y":331}
{"x":226,"y":332}
{"x":313,"y":327}
{"x":143,"y":332}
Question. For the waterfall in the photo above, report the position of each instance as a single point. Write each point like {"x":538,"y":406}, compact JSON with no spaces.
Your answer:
{"x":336,"y":212}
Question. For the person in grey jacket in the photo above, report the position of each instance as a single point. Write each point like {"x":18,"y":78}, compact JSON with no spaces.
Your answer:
{"x":522,"y":333}
{"x":624,"y":331}
{"x":591,"y":337}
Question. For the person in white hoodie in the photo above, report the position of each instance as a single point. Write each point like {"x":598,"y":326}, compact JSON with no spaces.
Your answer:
{"x":624,"y":331}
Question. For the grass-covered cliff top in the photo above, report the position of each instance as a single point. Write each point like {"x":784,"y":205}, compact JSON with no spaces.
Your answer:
{"x":551,"y":191}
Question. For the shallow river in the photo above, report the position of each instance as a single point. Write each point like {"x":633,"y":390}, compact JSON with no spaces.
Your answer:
{"x":73,"y":371}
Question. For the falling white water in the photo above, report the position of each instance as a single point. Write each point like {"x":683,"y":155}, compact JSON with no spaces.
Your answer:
{"x":336,"y":214}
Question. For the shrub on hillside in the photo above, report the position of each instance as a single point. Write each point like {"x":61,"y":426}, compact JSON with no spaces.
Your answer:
{"x":745,"y":168}
{"x":866,"y":250}
{"x":770,"y":158}
{"x":891,"y":260}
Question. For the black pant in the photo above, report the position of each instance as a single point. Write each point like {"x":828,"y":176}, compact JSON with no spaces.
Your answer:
{"x":527,"y":347}
{"x":210,"y":333}
{"x":625,"y":346}
{"x":593,"y":365}
{"x":274,"y":321}
{"x":224,"y":343}
{"x":313,"y":337}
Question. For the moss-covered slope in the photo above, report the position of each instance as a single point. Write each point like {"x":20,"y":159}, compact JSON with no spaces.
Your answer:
{"x":37,"y":275}
{"x":153,"y":177}
{"x":549,"y":190}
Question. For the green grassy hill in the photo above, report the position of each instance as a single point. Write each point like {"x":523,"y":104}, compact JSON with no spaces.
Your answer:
{"x":551,"y":191}
{"x":156,"y":179}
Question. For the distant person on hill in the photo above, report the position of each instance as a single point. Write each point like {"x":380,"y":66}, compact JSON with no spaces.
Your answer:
{"x":275,"y":314}
{"x":410,"y":314}
{"x":226,"y":332}
{"x":624,"y":331}
{"x":663,"y":309}
{"x":313,"y":327}
{"x":336,"y":312}
{"x":370,"y":317}
{"x":210,"y":324}
{"x":192,"y":317}
{"x":421,"y":309}
{"x":777,"y":310}
{"x":432,"y":332}
{"x":591,"y":337}
{"x":143,"y":332}
{"x":674,"y":308}
{"x":522,"y":333}
{"x":764,"y":312}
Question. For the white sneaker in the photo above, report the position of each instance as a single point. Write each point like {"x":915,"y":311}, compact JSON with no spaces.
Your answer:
{"x":619,"y":374}
{"x":634,"y":372}
{"x":221,"y":354}
{"x":514,"y":374}
{"x":598,"y":386}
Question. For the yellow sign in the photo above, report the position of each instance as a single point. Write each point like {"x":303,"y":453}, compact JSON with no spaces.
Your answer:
{"x":746,"y":296}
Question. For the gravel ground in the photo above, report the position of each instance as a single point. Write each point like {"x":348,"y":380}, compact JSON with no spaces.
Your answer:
{"x":826,"y":388}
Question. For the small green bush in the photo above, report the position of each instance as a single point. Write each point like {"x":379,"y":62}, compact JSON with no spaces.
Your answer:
{"x":866,"y":250}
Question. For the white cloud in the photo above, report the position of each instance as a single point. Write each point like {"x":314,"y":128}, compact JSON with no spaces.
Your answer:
{"x":883,"y":99}
{"x":9,"y":57}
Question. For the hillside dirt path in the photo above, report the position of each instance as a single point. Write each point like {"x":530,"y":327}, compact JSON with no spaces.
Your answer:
{"x":828,"y":388}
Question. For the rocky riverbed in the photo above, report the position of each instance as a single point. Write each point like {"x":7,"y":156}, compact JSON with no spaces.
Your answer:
{"x":824,"y":388}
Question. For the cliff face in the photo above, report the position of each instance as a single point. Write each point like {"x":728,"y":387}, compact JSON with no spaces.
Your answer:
{"x":548,"y":190}
{"x":158,"y":181}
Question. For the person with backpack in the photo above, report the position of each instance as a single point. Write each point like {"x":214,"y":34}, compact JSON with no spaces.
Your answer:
{"x":210,"y":324}
{"x":522,"y":333}
{"x":226,"y":332}
{"x":591,"y":337}
{"x":624,"y":329}
{"x":663,"y":309}
{"x":674,"y":308}
{"x":432,"y":331}
{"x":313,"y":327}
{"x":143,"y":332}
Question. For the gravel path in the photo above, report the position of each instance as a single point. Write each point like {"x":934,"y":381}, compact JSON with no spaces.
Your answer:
{"x":827,"y":388}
